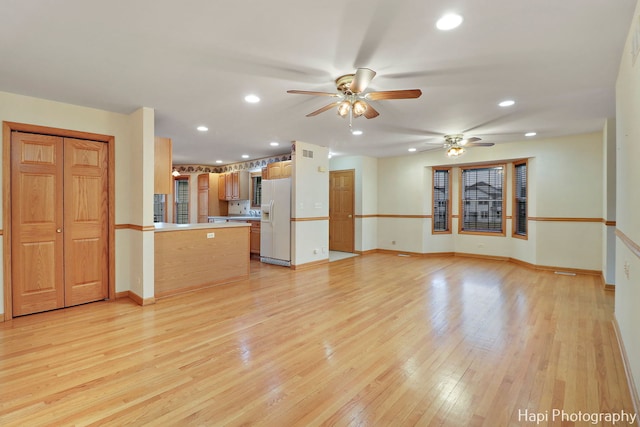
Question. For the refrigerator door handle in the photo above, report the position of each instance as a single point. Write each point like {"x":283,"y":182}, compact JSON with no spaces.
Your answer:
{"x":271,"y":209}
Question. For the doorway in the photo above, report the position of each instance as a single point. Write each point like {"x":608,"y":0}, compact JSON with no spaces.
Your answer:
{"x":341,"y":210}
{"x":58,"y":222}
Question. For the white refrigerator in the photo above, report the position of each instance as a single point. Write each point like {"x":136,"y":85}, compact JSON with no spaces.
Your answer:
{"x":275,"y":224}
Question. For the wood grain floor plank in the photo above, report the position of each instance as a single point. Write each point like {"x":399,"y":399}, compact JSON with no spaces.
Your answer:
{"x":376,"y":340}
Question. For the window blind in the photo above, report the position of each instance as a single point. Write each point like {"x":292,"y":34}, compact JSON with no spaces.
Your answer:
{"x":520,"y":205}
{"x":482,"y":199}
{"x":441,"y":200}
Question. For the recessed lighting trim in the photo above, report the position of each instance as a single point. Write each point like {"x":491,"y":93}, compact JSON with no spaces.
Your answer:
{"x":218,"y":161}
{"x":530,"y":134}
{"x":449,"y":22}
{"x":274,"y":143}
{"x":202,"y":128}
{"x":507,"y":103}
{"x":245,"y":156}
{"x":356,"y":132}
{"x":252,"y":99}
{"x":412,"y":150}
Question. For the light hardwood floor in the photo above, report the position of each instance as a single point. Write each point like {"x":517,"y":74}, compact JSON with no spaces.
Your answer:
{"x":371,"y":340}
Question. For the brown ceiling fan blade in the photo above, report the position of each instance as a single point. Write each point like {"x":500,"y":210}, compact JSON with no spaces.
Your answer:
{"x":308,"y":92}
{"x":361,"y":80}
{"x":480,"y":144}
{"x":394,"y":94}
{"x":370,"y":112}
{"x":323,"y":109}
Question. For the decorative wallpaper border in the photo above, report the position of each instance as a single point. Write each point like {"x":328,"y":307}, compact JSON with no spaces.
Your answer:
{"x":248,"y":165}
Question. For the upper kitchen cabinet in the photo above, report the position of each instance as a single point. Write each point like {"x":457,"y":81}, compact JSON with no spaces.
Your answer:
{"x":277,"y":170}
{"x":235,"y":185}
{"x":163,"y":180}
{"x":208,"y":197}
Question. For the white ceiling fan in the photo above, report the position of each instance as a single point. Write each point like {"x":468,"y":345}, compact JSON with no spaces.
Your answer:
{"x":455,"y":144}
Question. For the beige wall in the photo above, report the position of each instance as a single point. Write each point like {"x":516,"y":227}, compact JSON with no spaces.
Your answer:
{"x":310,"y":205}
{"x":366,"y":198}
{"x":627,"y":259}
{"x":565,"y":181}
{"x":133,"y":201}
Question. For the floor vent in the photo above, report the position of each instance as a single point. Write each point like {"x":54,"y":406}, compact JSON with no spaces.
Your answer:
{"x":564,"y":273}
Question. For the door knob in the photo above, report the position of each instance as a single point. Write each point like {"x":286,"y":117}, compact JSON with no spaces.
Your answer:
{"x":58,"y":230}
{"x":350,"y":216}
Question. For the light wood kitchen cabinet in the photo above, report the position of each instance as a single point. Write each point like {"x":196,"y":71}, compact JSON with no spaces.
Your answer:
{"x":208,"y":202}
{"x":277,"y":170}
{"x":203,"y":197}
{"x":254,"y":238}
{"x":162,"y":179}
{"x":235,"y":184}
{"x":222,"y":186}
{"x":254,"y":235}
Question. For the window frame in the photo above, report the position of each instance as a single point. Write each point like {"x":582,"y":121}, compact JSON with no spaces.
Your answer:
{"x":433,"y":201}
{"x":514,"y":202}
{"x":503,"y":214}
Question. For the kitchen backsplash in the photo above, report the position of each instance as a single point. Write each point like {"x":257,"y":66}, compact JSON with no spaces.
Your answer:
{"x":242,"y":207}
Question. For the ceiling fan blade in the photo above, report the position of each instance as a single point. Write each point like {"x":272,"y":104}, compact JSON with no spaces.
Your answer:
{"x":473,"y":139}
{"x":394,"y":94}
{"x":370,"y":112}
{"x":308,"y":92}
{"x":480,"y":144}
{"x":323,"y":109}
{"x":361,"y":80}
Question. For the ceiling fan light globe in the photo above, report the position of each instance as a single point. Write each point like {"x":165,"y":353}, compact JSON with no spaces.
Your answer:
{"x":359,"y":108}
{"x":455,"y":152}
{"x":343,"y":108}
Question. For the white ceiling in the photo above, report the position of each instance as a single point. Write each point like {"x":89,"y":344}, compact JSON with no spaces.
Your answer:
{"x":193,"y":61}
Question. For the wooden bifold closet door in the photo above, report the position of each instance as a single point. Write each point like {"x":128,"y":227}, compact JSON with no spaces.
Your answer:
{"x":59,"y":229}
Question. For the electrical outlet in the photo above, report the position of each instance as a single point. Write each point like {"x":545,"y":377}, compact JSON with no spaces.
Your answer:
{"x":211,"y":235}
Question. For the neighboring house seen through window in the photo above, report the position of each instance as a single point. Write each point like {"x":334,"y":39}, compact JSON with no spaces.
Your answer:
{"x":482,"y":199}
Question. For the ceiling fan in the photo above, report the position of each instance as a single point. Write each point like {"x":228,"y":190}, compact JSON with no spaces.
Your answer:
{"x":455,"y":144}
{"x":352,"y":99}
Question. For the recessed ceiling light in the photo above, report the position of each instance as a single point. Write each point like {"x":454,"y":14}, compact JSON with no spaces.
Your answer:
{"x":507,"y":103}
{"x":274,"y":144}
{"x":412,"y":149}
{"x":356,"y":132}
{"x":202,"y":128}
{"x":530,"y":134}
{"x":449,"y":22}
{"x":252,"y":98}
{"x":245,"y":156}
{"x":218,"y":161}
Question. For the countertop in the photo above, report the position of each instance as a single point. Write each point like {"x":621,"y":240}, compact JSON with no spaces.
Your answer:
{"x":165,"y":226}
{"x":237,"y":217}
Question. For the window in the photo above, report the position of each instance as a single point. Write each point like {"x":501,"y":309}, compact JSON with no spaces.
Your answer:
{"x":482,"y":199}
{"x":256,"y":189}
{"x":441,"y":200}
{"x":182,"y":200}
{"x":520,"y":199}
{"x":159,"y":208}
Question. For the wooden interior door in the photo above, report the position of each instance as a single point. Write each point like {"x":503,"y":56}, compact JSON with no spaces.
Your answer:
{"x":86,"y":205}
{"x":341,"y":210}
{"x":37,"y":252}
{"x":59,"y":226}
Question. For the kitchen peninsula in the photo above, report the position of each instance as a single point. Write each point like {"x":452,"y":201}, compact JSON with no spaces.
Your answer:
{"x":193,"y":256}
